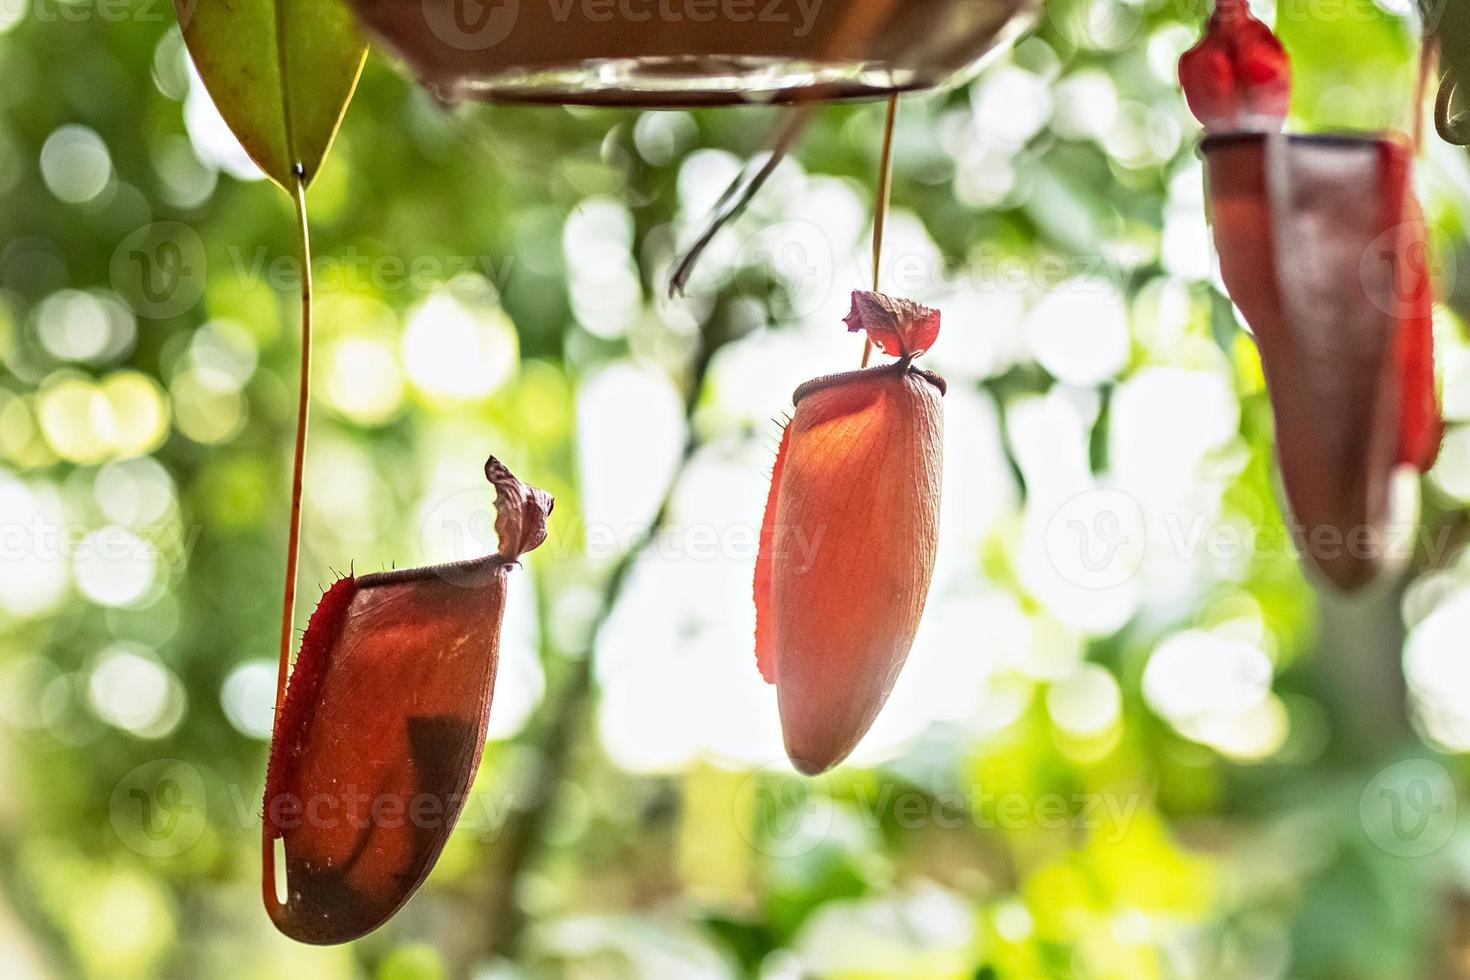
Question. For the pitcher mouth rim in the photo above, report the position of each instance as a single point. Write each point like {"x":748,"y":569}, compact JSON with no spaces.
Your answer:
{"x":897,"y":369}
{"x":1346,"y":139}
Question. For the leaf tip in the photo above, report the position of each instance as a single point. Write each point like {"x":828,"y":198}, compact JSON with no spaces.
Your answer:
{"x":521,"y":511}
{"x":900,"y":327}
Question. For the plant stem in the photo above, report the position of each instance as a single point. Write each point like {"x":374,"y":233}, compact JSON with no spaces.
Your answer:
{"x":298,"y":463}
{"x":1428,"y":69}
{"x":1359,"y":660}
{"x":499,"y":916}
{"x":880,"y":205}
{"x":21,"y":903}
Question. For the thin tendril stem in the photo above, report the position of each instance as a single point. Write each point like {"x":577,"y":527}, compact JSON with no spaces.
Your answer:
{"x":880,"y":206}
{"x":298,"y":463}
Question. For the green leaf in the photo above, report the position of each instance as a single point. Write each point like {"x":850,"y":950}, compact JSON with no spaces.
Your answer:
{"x":1353,"y":65}
{"x":281,"y":73}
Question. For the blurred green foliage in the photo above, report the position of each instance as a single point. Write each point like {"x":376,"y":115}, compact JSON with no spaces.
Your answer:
{"x":1167,"y":855}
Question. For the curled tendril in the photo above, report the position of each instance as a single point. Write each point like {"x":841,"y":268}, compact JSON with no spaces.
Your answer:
{"x":1451,"y":119}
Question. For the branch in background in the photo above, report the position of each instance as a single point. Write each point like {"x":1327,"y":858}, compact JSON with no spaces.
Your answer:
{"x":19,"y":903}
{"x":737,"y":197}
{"x":1360,"y":643}
{"x":497,"y":919}
{"x":1359,"y":660}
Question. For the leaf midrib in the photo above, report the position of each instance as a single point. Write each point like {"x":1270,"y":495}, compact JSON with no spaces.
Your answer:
{"x":294,"y":165}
